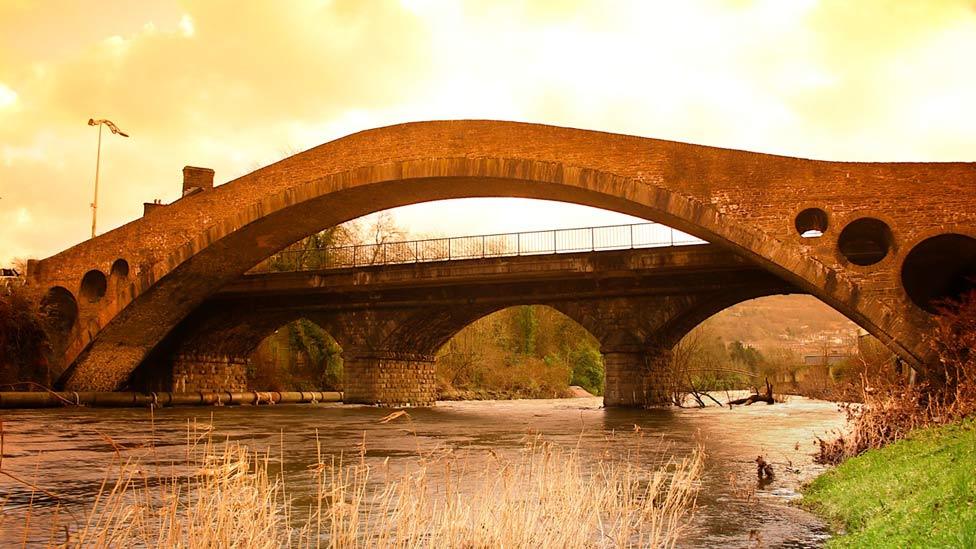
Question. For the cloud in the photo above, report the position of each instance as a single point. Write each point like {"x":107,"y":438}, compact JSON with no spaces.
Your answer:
{"x":233,"y":85}
{"x":7,"y":96}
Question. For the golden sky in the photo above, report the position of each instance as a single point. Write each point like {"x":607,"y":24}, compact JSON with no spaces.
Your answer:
{"x":235,"y":85}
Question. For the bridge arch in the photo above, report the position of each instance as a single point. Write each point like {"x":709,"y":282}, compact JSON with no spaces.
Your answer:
{"x":743,"y":201}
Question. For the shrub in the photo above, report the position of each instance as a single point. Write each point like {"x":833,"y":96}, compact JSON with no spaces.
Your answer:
{"x":587,"y":368}
{"x":24,"y":342}
{"x":892,"y":407}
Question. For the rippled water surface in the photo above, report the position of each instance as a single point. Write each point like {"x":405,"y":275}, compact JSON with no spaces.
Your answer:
{"x":67,"y":452}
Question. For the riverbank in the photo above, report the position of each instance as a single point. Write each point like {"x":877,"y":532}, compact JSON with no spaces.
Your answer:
{"x":918,"y":492}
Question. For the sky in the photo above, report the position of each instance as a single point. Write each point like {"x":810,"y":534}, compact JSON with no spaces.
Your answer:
{"x":236,"y":85}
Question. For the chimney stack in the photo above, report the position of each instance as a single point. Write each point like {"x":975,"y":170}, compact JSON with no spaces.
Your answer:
{"x":150,"y":206}
{"x":197,"y":178}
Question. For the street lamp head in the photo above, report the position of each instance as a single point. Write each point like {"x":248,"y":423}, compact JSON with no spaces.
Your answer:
{"x":111,"y":126}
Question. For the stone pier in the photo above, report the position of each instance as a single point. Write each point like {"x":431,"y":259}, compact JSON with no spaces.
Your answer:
{"x":636,"y":379}
{"x":209,"y":373}
{"x":389,"y":379}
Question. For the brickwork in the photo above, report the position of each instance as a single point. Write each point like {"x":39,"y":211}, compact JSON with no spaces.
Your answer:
{"x":389,"y":381}
{"x":636,"y":379}
{"x":209,"y":373}
{"x":616,"y":296}
{"x":746,"y":202}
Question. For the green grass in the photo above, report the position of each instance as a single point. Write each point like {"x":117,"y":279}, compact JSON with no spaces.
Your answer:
{"x":919,"y":492}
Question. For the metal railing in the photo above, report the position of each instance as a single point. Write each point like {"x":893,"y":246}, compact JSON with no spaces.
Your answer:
{"x":587,"y":239}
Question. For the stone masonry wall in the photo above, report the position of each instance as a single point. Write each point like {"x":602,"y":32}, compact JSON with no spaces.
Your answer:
{"x":389,"y":381}
{"x":750,"y":202}
{"x":635,"y":380}
{"x":209,"y":373}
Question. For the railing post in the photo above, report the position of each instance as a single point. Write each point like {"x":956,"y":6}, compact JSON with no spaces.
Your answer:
{"x":416,"y":251}
{"x":448,"y":248}
{"x":518,"y":243}
{"x":355,"y":252}
{"x":553,"y":241}
{"x":631,"y":236}
{"x":482,"y":246}
{"x":671,"y":230}
{"x":384,"y":252}
{"x":592,"y":241}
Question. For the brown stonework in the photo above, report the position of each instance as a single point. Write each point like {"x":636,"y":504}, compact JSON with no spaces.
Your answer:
{"x":197,"y":179}
{"x":745,"y":202}
{"x":148,"y":207}
{"x":209,"y":374}
{"x":389,"y":379}
{"x":635,"y":302}
{"x":636,"y":379}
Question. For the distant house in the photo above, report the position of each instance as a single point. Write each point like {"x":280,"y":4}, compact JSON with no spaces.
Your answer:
{"x":9,"y":278}
{"x":825,"y":360}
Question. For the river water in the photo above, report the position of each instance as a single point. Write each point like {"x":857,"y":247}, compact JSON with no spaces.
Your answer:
{"x":66,"y":451}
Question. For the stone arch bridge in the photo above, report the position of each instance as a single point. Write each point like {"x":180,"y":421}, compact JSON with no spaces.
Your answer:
{"x":880,"y":242}
{"x":390,"y":320}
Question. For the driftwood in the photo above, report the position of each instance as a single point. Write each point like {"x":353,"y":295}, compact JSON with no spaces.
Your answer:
{"x":697,"y":395}
{"x":764,"y":470}
{"x":766,"y":397}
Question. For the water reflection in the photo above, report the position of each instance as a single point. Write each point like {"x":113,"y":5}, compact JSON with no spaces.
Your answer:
{"x":67,"y":451}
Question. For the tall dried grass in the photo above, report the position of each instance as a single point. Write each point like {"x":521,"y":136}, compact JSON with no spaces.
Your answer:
{"x":545,"y":496}
{"x":891,"y":407}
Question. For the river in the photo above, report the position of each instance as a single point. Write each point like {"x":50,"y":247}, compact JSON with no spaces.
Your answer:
{"x":67,"y":451}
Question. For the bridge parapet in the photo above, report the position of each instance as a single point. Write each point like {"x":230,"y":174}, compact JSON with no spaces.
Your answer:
{"x":859,"y":236}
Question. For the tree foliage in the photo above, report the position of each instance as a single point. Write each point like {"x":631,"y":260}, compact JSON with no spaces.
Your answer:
{"x":522,"y":352}
{"x":299,"y":356}
{"x":23,"y":338}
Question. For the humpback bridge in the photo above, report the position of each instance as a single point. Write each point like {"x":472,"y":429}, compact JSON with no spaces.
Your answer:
{"x":879,"y":242}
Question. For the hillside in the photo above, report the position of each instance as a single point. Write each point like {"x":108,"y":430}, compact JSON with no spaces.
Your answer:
{"x":799,"y":322}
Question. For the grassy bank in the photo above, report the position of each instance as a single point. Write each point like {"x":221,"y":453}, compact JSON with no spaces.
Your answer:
{"x":919,"y":492}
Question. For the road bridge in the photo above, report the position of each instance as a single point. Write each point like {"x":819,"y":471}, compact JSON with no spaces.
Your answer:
{"x":880,"y":242}
{"x":391,"y":319}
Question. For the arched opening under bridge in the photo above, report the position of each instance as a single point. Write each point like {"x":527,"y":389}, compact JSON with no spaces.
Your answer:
{"x":797,"y":343}
{"x":523,"y":351}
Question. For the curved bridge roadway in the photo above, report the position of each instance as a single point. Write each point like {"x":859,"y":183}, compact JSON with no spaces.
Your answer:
{"x":895,"y":237}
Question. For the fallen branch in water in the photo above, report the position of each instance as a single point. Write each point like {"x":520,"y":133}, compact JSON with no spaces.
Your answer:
{"x":766,"y":397}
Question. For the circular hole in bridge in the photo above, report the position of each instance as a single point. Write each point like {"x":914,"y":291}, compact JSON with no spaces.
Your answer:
{"x":120,"y":268}
{"x":93,"y":285}
{"x":865,"y":241}
{"x":60,"y":308}
{"x":938,"y":269}
{"x":811,"y":223}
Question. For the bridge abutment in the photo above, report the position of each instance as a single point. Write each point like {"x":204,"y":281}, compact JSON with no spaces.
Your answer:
{"x":389,"y":379}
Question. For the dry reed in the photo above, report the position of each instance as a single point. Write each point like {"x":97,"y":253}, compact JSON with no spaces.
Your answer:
{"x":545,"y":496}
{"x":892,"y":408}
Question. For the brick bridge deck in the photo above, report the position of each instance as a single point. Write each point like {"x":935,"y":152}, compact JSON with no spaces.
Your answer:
{"x":881,"y":242}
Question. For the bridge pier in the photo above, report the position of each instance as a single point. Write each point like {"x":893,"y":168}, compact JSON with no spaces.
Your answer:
{"x":635,"y":378}
{"x":209,"y":373}
{"x":389,"y":378}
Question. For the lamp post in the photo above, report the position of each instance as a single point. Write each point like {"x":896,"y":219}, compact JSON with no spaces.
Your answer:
{"x":98,"y":159}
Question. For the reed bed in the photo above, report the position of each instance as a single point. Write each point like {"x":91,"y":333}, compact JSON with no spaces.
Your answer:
{"x":544,"y":496}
